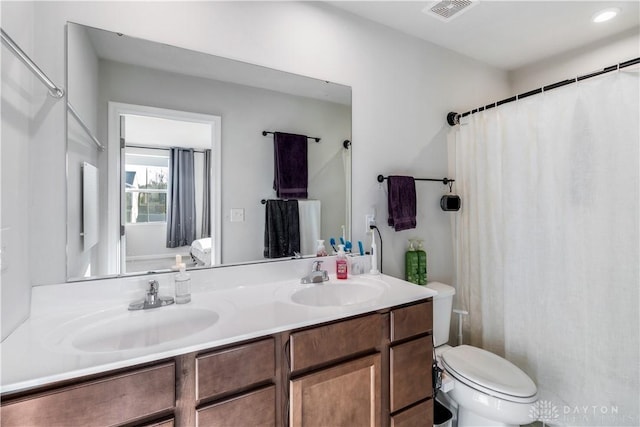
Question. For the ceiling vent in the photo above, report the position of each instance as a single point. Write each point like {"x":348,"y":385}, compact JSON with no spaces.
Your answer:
{"x":448,"y":9}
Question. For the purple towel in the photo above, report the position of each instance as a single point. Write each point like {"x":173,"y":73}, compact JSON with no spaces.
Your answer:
{"x":290,"y":173}
{"x":402,"y":202}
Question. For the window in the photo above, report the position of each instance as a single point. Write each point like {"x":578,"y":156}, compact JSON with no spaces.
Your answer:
{"x":146,"y":177}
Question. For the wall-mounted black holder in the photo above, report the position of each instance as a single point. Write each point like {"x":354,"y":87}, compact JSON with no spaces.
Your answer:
{"x":450,"y":202}
{"x":453,"y":118}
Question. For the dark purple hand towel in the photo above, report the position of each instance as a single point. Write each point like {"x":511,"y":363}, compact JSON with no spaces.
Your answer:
{"x":402,"y":202}
{"x":290,"y":172}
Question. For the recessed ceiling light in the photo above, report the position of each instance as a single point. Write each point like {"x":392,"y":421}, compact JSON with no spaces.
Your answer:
{"x":605,"y":14}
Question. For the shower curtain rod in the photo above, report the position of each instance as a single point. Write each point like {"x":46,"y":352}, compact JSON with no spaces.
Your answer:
{"x":453,"y":118}
{"x":445,"y":181}
{"x":82,"y":124}
{"x":148,"y":147}
{"x":265,"y":133}
{"x":54,"y":90}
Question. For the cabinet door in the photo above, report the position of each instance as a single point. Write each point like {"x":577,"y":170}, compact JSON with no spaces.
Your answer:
{"x":252,"y":409}
{"x":345,"y":395}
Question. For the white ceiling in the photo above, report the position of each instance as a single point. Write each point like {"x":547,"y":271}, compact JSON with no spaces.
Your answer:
{"x":505,"y":34}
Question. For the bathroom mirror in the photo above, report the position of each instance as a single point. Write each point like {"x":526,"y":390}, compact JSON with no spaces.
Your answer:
{"x":136,"y":106}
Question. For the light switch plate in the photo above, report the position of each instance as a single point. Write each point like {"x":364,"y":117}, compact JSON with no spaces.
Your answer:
{"x":237,"y":215}
{"x":4,"y":246}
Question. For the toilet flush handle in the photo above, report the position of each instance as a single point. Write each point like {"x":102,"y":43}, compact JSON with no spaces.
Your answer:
{"x":460,"y":313}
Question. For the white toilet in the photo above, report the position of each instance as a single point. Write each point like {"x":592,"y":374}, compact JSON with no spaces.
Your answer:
{"x":487,"y":389}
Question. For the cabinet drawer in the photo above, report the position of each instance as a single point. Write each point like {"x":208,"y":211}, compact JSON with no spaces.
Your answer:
{"x":410,"y":321}
{"x":420,"y":415}
{"x":234,"y":368}
{"x":331,"y":342}
{"x":252,"y":409}
{"x":108,"y":401}
{"x":410,"y":372}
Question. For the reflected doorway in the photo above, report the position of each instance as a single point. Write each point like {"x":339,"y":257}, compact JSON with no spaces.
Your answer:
{"x":161,"y":194}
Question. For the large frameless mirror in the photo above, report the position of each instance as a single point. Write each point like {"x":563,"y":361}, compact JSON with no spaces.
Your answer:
{"x":170,"y":152}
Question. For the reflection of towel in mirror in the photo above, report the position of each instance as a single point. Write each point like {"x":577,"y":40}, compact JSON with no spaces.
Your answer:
{"x":290,"y":173}
{"x":310,"y":220}
{"x":201,"y":251}
{"x":281,"y":229}
{"x":402,"y":202}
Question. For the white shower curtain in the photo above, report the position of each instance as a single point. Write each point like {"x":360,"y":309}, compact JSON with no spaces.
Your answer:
{"x":547,"y":243}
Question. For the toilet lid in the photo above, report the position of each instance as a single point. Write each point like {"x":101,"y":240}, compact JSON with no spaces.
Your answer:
{"x":477,"y":367}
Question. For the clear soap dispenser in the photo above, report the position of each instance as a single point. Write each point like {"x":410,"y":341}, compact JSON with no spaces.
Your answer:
{"x":183,"y":285}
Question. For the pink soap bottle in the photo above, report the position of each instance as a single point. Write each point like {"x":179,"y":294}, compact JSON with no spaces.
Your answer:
{"x":341,"y":263}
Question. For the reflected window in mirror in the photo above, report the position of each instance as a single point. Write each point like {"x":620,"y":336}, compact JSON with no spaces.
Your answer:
{"x":146,"y":185}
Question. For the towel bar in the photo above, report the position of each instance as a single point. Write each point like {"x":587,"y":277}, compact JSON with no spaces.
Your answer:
{"x":265,"y":133}
{"x":445,"y":181}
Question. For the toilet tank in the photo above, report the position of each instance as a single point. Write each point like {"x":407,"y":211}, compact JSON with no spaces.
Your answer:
{"x":442,"y":305}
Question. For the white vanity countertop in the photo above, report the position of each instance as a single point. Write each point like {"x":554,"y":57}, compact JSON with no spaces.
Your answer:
{"x":42,"y":350}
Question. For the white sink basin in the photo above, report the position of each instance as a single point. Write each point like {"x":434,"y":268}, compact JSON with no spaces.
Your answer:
{"x":143,"y":329}
{"x":120,"y":330}
{"x":337,"y":294}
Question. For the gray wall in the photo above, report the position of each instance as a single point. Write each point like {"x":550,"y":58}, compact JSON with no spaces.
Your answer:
{"x":247,"y":155}
{"x":83,"y":72}
{"x":19,"y":100}
{"x":402,"y":90}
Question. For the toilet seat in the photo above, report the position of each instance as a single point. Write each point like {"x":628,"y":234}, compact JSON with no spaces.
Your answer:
{"x":489,"y":373}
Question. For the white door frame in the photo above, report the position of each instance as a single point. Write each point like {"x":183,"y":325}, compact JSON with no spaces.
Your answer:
{"x":116,"y":250}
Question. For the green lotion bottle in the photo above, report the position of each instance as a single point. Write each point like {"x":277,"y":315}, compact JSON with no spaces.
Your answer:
{"x":411,"y":264}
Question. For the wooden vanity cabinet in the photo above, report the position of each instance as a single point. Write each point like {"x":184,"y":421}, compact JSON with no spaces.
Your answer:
{"x":369,"y":370}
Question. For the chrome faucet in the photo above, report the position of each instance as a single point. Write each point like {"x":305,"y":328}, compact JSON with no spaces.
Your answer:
{"x":317,"y":275}
{"x":151,"y":300}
